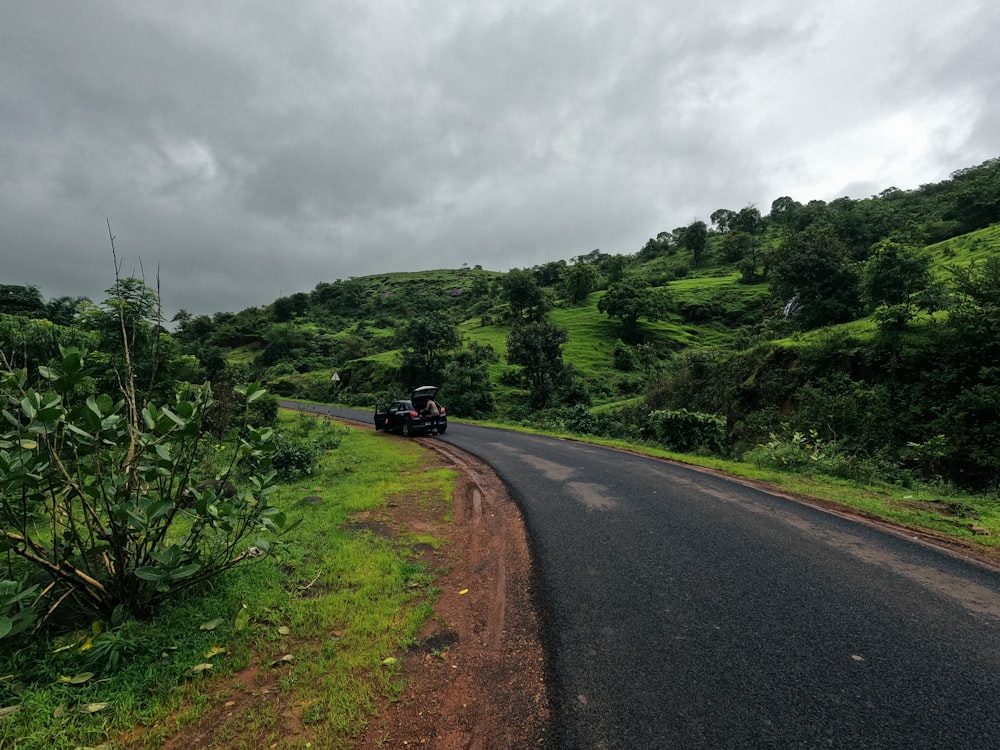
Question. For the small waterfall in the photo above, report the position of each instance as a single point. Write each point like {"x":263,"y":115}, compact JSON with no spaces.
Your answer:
{"x":792,"y":306}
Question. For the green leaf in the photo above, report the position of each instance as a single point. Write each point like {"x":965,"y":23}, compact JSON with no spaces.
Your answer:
{"x":148,"y":573}
{"x":158,"y":510}
{"x":138,"y":520}
{"x":256,"y":395}
{"x":72,"y":363}
{"x":242,"y":621}
{"x":185,"y":571}
{"x":6,"y":625}
{"x":176,"y":419}
{"x":77,"y":679}
{"x":28,"y":408}
{"x":28,"y":445}
{"x":93,"y":708}
{"x":77,"y":431}
{"x":8,"y":711}
{"x":199,"y":668}
{"x":211,"y":624}
{"x":93,"y":406}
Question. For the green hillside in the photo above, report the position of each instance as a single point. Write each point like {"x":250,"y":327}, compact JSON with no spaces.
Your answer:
{"x":868,"y":323}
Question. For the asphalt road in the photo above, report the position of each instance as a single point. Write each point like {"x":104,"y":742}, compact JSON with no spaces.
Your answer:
{"x":684,"y":610}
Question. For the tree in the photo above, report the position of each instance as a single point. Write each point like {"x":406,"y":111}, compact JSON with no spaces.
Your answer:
{"x":291,"y":343}
{"x":631,"y":299}
{"x":748,"y":220}
{"x":975,"y":305}
{"x":285,"y":309}
{"x":896,"y":277}
{"x":136,"y":347}
{"x":536,"y":347}
{"x":613,"y":267}
{"x":695,"y":239}
{"x":784,"y":211}
{"x":814,"y":267}
{"x":467,"y":383}
{"x":579,"y":280}
{"x":63,"y":310}
{"x":25,"y":301}
{"x":344,"y":297}
{"x":427,"y":344}
{"x":523,"y":294}
{"x":549,"y":274}
{"x":722,"y":218}
{"x":130,"y":301}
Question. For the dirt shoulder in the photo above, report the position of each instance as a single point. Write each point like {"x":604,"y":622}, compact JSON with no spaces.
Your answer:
{"x":477,"y":679}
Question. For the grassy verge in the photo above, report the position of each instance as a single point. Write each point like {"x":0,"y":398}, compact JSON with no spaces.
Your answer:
{"x":317,"y":625}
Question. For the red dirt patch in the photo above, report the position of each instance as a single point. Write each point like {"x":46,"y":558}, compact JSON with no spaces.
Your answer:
{"x":477,"y":681}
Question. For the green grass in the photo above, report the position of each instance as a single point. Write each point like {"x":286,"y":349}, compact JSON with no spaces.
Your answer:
{"x":494,"y":335}
{"x":961,"y":251}
{"x":338,"y":600}
{"x":704,"y":289}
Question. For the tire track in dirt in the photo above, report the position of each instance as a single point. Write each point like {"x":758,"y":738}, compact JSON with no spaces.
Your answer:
{"x":487,"y":690}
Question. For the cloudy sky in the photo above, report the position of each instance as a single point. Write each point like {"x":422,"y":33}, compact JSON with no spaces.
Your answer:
{"x":252,"y":149}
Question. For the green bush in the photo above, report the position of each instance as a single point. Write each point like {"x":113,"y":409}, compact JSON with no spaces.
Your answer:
{"x":130,"y":517}
{"x":808,"y":453}
{"x":688,"y":432}
{"x":16,"y":611}
{"x":293,"y":459}
{"x":623,"y":358}
{"x":298,"y":446}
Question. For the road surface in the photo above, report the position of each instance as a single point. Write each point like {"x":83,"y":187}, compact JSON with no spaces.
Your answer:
{"x":685,"y":610}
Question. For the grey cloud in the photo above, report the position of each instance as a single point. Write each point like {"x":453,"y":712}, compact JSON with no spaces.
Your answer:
{"x":253,"y":149}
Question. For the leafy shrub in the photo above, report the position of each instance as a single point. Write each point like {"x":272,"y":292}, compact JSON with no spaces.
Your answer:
{"x":263,"y":411}
{"x":16,"y":612}
{"x":128,"y":523}
{"x":293,"y":459}
{"x":799,"y":453}
{"x":623,"y":358}
{"x":808,"y":453}
{"x":687,"y":431}
{"x":299,"y":446}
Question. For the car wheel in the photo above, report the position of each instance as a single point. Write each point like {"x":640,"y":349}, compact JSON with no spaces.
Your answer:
{"x":407,"y":432}
{"x":441,"y":430}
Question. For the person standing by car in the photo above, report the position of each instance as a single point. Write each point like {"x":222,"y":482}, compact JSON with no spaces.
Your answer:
{"x":431,"y":412}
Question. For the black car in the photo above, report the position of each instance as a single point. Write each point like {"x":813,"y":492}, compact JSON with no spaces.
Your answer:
{"x":408,"y":416}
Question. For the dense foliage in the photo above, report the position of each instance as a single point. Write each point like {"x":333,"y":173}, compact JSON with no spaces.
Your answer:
{"x":120,"y":484}
{"x":107,"y":498}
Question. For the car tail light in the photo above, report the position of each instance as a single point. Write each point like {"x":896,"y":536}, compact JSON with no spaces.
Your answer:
{"x":413,"y":414}
{"x":443,"y":411}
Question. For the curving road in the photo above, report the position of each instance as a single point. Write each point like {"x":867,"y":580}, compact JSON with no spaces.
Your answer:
{"x":684,"y":610}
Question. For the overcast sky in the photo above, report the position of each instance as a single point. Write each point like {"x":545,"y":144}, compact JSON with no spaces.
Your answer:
{"x":253,"y":149}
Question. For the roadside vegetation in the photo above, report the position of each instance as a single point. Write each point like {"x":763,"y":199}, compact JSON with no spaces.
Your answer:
{"x":320,"y":622}
{"x":159,"y":516}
